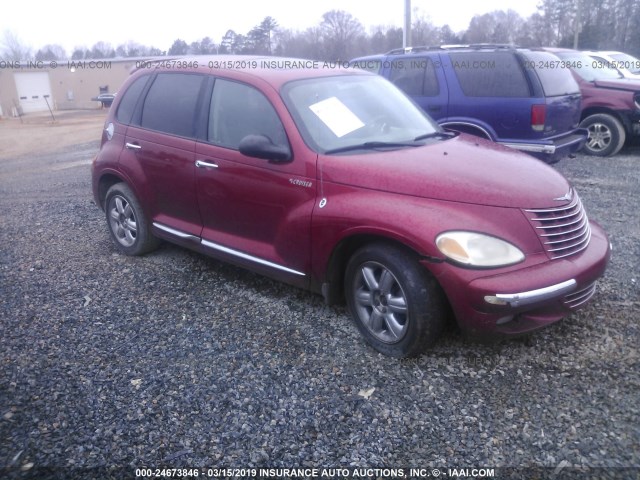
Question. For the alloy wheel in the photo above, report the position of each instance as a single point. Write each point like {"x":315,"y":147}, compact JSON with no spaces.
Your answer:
{"x":380,"y":302}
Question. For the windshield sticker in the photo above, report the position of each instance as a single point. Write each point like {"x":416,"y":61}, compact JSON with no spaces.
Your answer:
{"x":335,"y":115}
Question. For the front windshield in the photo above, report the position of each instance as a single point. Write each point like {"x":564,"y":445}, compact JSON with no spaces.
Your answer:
{"x":587,"y":67}
{"x":344,"y":111}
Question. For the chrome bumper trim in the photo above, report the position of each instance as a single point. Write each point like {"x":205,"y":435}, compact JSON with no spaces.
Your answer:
{"x":528,"y":147}
{"x":532,"y":296}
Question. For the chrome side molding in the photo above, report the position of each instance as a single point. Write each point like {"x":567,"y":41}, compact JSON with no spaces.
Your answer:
{"x":222,"y":248}
{"x":251,"y":258}
{"x":176,"y":233}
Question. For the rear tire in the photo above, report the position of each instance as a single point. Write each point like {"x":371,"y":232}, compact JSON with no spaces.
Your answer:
{"x":127,"y":223}
{"x":397,"y":305}
{"x":606,"y":135}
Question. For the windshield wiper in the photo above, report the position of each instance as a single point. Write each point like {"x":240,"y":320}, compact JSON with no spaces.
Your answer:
{"x":371,"y":146}
{"x":440,"y":134}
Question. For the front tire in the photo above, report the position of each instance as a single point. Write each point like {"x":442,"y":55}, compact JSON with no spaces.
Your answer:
{"x":127,"y":223}
{"x":606,"y":135}
{"x":396,"y":304}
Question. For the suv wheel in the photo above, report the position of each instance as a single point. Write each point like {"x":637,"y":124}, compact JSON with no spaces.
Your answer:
{"x":606,"y":135}
{"x":127,"y":223}
{"x":396,"y":304}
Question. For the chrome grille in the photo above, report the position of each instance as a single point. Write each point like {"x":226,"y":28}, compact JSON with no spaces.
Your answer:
{"x":565,"y":230}
{"x":575,"y":299}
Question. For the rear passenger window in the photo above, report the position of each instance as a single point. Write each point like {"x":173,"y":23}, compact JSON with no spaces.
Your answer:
{"x":495,"y":74}
{"x":416,"y":77}
{"x":238,"y":110}
{"x":170,"y":105}
{"x":130,"y":99}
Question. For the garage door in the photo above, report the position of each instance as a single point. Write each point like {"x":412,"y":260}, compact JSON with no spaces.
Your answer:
{"x":33,"y":88}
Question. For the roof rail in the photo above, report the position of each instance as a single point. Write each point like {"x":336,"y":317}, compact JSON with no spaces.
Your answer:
{"x":422,"y":48}
{"x":479,"y":46}
{"x":470,"y":46}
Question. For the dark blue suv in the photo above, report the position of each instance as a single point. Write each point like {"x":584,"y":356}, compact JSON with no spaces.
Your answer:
{"x":518,"y":97}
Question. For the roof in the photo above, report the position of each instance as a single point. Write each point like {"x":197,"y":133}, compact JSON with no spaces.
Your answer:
{"x":274,"y":70}
{"x":602,"y":52}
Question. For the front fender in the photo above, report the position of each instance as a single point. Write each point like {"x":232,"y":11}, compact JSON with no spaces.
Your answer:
{"x":412,"y":221}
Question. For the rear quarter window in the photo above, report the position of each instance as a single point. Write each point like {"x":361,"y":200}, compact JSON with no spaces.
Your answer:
{"x":490,"y":74}
{"x":554,"y":73}
{"x":127,"y":105}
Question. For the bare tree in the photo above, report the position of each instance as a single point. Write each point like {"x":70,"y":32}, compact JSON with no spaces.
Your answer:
{"x":102,"y":50}
{"x":534,"y":32}
{"x":339,"y":33}
{"x":228,"y":43}
{"x":78,"y":53}
{"x":423,"y":32}
{"x":179,"y":47}
{"x":203,"y":47}
{"x":12,"y":48}
{"x":51,"y":52}
{"x":269,"y":27}
{"x":602,"y":24}
{"x":559,"y":18}
{"x":447,"y":36}
{"x":300,"y":44}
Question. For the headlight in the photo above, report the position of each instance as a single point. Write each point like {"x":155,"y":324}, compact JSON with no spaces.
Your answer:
{"x":477,"y":250}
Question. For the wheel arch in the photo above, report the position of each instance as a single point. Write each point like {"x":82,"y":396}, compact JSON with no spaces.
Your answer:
{"x":587,"y":112}
{"x":332,"y":287}
{"x":470,"y":128}
{"x":105,"y":182}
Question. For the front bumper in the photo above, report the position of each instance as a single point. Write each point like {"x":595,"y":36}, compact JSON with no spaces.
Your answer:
{"x":525,"y":299}
{"x":632,"y":122}
{"x":532,"y":296}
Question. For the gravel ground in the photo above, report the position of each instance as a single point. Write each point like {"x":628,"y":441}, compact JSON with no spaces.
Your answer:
{"x":110,"y":363}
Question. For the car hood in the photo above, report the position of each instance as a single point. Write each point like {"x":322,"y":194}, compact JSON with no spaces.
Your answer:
{"x":621,"y":84}
{"x":463,"y":169}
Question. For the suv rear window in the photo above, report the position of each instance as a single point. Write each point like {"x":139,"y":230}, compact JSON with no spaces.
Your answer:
{"x":170,"y":105}
{"x":490,"y":74}
{"x":554,"y":74}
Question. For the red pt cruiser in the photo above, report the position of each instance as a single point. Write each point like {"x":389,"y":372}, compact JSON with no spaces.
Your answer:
{"x":334,"y":181}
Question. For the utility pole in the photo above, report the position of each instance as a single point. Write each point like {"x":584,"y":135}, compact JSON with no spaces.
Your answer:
{"x":406,"y":31}
{"x":578,"y":25}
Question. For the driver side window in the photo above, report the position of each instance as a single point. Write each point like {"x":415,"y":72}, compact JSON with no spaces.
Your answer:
{"x":238,"y":110}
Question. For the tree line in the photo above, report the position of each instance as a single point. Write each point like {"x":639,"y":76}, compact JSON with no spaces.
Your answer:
{"x":591,"y":24}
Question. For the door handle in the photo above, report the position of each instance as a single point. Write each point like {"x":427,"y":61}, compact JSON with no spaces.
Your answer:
{"x":203,"y":164}
{"x":132,"y":146}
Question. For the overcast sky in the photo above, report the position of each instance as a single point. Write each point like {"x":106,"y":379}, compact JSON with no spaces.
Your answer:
{"x":153,"y":23}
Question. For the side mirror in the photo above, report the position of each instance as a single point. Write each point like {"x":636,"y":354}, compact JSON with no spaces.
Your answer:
{"x":260,"y":146}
